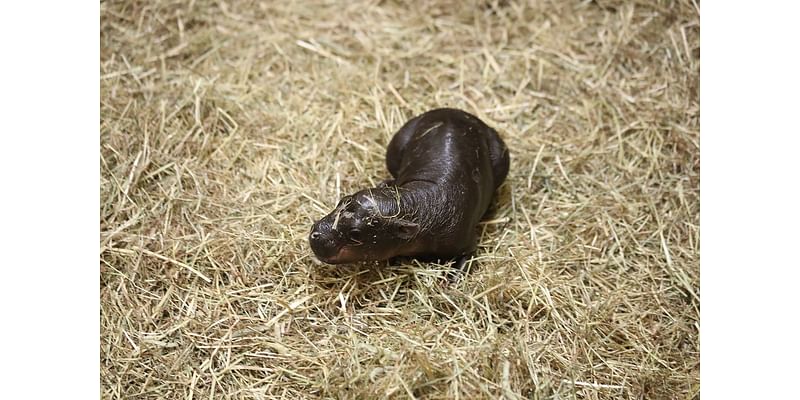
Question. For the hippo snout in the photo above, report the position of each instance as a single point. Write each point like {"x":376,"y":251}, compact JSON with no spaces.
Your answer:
{"x":324,"y":244}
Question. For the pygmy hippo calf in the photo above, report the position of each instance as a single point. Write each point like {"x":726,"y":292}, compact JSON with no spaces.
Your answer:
{"x":446,"y":165}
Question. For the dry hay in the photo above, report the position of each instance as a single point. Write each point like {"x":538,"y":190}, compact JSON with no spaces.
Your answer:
{"x":228,"y":127}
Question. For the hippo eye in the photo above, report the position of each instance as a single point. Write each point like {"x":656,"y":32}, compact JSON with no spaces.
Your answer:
{"x":372,"y":223}
{"x":354,"y":234}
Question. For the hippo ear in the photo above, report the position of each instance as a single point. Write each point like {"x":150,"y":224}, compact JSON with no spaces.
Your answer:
{"x":405,"y":229}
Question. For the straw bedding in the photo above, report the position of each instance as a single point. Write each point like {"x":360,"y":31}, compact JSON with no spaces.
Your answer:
{"x":227,"y":128}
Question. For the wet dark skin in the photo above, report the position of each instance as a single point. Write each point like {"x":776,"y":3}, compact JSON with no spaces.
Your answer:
{"x":446,"y":165}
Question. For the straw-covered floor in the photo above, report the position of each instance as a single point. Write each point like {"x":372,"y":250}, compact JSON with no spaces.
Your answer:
{"x":227,"y":128}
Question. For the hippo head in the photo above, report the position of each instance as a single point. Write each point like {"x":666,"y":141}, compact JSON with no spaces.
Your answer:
{"x":365,"y":226}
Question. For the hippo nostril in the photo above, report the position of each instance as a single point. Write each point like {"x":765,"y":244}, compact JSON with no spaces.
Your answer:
{"x":315,"y":235}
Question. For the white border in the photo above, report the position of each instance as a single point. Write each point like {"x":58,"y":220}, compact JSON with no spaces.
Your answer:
{"x":749,"y":207}
{"x":49,"y":198}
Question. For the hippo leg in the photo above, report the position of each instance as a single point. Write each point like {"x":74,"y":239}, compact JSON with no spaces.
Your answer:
{"x":498,"y":154}
{"x":394,"y":152}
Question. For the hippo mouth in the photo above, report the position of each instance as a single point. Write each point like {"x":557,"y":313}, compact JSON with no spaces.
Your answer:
{"x":343,"y":255}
